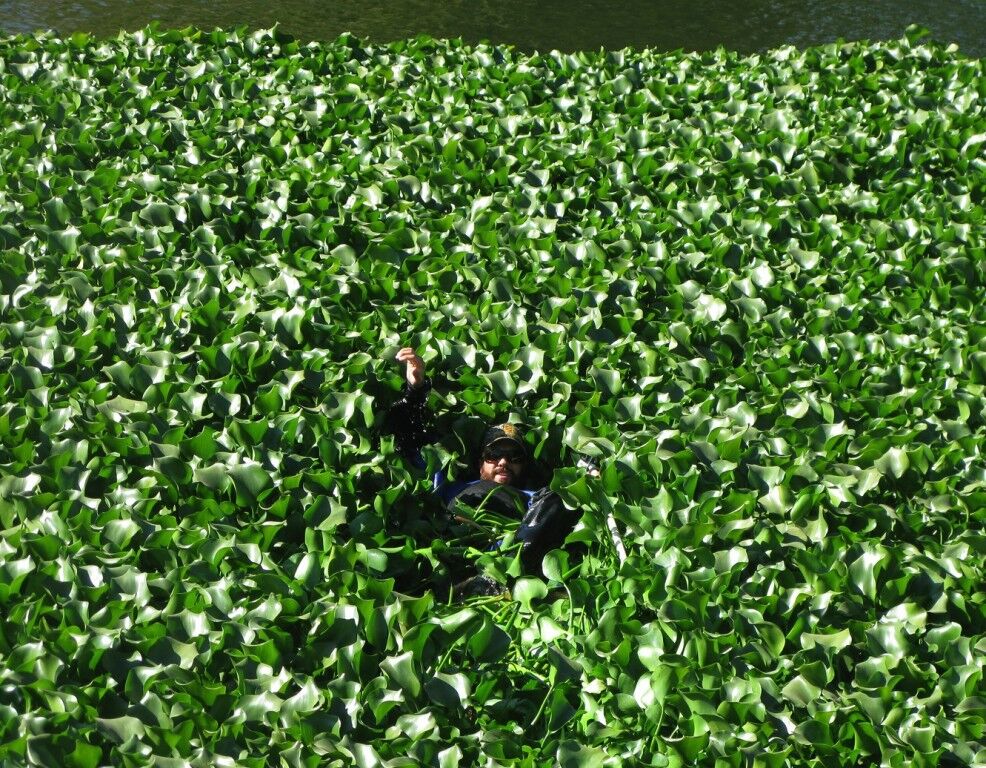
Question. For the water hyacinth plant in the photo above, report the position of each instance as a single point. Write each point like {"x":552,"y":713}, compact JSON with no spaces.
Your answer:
{"x":751,"y":285}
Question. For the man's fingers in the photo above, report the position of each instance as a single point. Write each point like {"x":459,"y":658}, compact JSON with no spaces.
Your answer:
{"x":407,"y":353}
{"x":415,"y":372}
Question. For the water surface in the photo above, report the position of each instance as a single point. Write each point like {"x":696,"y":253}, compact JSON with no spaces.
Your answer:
{"x":534,"y":24}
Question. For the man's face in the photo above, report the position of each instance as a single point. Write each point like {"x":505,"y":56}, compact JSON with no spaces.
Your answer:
{"x":501,"y":463}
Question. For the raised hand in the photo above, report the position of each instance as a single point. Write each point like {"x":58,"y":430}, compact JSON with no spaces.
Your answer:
{"x":415,"y":372}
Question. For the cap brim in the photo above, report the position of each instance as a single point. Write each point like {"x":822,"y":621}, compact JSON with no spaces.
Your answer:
{"x":506,"y":439}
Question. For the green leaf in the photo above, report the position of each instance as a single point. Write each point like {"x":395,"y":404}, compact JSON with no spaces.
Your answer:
{"x":573,"y":755}
{"x":158,"y":214}
{"x":606,"y":380}
{"x":249,"y":480}
{"x":526,"y":590}
{"x":400,"y":669}
{"x":502,"y":385}
{"x":893,"y":462}
{"x":215,"y":476}
{"x":83,"y":755}
{"x":865,"y":569}
{"x":448,"y":690}
{"x":120,"y":729}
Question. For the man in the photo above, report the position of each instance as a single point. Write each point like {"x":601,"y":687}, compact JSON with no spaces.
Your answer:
{"x":503,"y":468}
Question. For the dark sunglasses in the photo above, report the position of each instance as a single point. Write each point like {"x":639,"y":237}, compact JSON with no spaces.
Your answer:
{"x":510,"y":454}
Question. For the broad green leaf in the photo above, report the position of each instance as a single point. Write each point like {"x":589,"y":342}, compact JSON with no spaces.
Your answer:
{"x":893,"y":462}
{"x":400,"y":669}
{"x":249,"y":480}
{"x":526,"y":590}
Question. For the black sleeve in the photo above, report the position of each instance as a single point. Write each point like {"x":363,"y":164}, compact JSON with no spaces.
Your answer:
{"x":410,"y":422}
{"x":544,"y":527}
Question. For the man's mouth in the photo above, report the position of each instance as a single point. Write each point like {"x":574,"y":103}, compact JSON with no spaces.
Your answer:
{"x":504,"y":474}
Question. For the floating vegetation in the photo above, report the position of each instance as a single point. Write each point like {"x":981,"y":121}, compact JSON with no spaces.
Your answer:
{"x":751,"y":285}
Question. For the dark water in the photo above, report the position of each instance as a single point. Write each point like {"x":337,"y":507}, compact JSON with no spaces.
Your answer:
{"x":535,"y":24}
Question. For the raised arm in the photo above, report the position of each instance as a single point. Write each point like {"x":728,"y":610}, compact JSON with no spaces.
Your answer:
{"x":409,"y":420}
{"x":415,"y":367}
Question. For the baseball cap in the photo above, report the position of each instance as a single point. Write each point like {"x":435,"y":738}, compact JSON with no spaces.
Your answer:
{"x":504,"y":433}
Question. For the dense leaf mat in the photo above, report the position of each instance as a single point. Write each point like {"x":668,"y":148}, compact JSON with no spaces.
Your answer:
{"x":753,"y":285}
